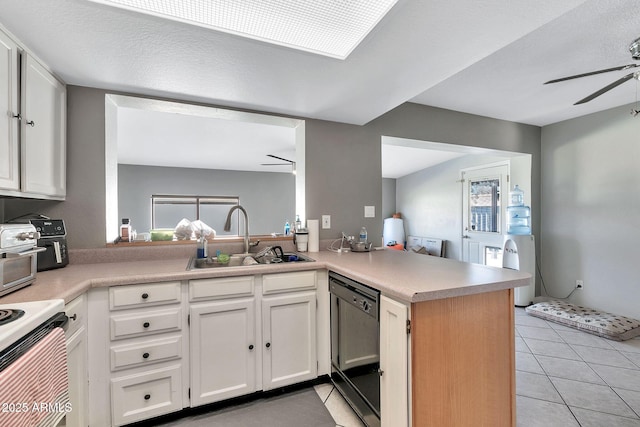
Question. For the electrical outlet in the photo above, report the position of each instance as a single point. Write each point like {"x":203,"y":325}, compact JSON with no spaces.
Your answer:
{"x":326,"y":221}
{"x":579,"y":284}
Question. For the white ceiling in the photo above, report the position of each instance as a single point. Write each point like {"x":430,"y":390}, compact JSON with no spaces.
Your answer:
{"x":485,"y":57}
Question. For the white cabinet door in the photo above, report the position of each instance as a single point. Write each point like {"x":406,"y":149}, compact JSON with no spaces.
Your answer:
{"x":78,"y":384}
{"x":289,"y":339}
{"x":43,"y":150}
{"x":223,"y":350}
{"x":394,"y":362}
{"x":9,"y":148}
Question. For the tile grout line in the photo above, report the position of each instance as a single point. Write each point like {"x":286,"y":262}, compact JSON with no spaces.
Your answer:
{"x":606,"y":383}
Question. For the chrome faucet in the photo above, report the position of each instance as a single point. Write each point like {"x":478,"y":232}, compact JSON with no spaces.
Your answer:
{"x":227,"y":225}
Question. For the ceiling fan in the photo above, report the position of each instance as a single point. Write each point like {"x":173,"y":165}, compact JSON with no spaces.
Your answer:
{"x":289,"y":162}
{"x":634,"y":48}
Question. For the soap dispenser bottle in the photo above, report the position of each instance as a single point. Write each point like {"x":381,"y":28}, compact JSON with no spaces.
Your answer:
{"x":201,"y":251}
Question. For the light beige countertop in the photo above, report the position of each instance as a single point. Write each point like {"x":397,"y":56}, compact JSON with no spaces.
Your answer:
{"x":405,"y":276}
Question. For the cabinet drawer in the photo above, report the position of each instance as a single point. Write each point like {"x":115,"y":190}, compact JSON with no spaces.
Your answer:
{"x":142,"y":396}
{"x":285,"y":282}
{"x":143,"y":295}
{"x":149,"y":322}
{"x":202,"y":289}
{"x":145,"y":352}
{"x":76,"y":310}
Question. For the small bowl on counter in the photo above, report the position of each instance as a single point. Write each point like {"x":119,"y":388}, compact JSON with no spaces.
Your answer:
{"x":161,"y":234}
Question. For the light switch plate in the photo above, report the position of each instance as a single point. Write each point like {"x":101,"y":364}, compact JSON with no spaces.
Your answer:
{"x":369,"y":211}
{"x":326,"y":221}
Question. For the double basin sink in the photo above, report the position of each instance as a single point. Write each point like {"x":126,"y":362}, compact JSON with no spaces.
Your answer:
{"x":237,"y":260}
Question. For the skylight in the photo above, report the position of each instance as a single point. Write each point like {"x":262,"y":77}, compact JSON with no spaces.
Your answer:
{"x":326,"y":27}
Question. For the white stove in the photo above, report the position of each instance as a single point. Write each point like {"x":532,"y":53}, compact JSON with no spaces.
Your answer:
{"x":34,"y":314}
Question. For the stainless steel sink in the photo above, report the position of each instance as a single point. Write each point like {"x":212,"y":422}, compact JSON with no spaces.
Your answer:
{"x":286,"y":257}
{"x":237,"y":260}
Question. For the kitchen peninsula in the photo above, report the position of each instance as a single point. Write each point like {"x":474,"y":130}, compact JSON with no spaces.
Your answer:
{"x":447,"y":328}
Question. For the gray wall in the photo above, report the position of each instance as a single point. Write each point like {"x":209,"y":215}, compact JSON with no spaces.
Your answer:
{"x":388,"y":197}
{"x":343,"y":163}
{"x":431,"y":201}
{"x":591,"y":210}
{"x":137,"y":183}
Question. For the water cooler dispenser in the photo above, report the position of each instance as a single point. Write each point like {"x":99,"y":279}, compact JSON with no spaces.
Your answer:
{"x":519,"y":249}
{"x":519,"y":253}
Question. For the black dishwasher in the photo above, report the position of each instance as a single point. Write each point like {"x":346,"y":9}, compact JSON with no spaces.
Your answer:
{"x":355,"y":345}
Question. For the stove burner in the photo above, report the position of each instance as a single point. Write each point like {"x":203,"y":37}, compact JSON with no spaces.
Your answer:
{"x":8,"y":315}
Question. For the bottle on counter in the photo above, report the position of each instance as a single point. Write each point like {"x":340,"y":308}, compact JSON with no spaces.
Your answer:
{"x":201,"y":248}
{"x":363,"y":235}
{"x":287,"y":228}
{"x":125,"y":230}
{"x":298,"y":226}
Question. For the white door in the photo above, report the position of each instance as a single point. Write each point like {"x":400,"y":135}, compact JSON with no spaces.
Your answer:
{"x":9,"y":152}
{"x":394,"y":364}
{"x":43,"y":131}
{"x":289,"y":339}
{"x":484,"y":200}
{"x":223,"y":348}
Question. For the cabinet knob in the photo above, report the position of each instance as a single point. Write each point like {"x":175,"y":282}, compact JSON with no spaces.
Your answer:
{"x":145,"y":295}
{"x":74,"y":317}
{"x":31,"y":123}
{"x":146,"y":324}
{"x":17,"y":116}
{"x":147,"y":396}
{"x":380,"y":372}
{"x":145,"y":356}
{"x":251,"y":347}
{"x":268,"y":344}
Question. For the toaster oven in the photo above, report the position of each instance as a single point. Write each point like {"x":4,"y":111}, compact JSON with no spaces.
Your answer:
{"x":18,"y":256}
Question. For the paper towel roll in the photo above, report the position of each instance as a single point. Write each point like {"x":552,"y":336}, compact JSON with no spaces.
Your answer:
{"x":313,"y":225}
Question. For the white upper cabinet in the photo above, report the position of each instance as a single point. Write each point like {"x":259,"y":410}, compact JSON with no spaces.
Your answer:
{"x":9,"y":148}
{"x":33,"y":106}
{"x":43,"y":128}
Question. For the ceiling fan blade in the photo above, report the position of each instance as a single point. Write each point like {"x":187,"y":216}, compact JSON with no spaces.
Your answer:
{"x":577,"y":76}
{"x":280,"y":158}
{"x":606,"y":89}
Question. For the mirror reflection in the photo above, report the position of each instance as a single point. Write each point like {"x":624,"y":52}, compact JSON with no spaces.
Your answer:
{"x":168,"y":148}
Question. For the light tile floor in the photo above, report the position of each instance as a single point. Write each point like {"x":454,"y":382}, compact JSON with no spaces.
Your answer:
{"x":566,"y":377}
{"x":337,"y":406}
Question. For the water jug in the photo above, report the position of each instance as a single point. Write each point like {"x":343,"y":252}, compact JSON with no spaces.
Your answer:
{"x":519,"y":220}
{"x":516,"y":197}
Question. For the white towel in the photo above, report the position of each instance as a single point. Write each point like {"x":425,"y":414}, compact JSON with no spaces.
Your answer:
{"x":34,"y":390}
